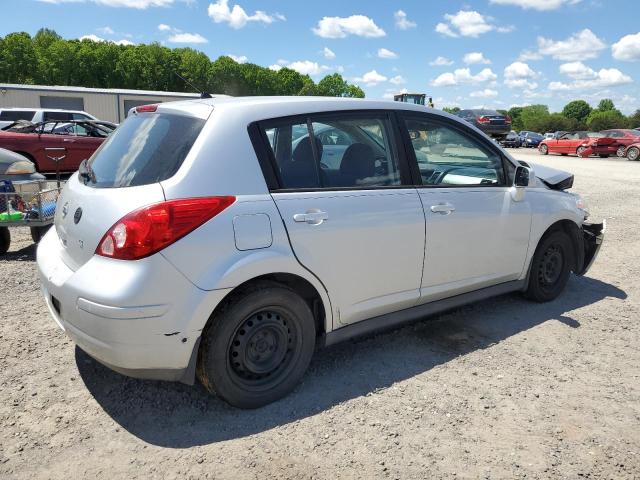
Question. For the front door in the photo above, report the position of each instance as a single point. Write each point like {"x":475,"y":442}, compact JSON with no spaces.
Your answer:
{"x":351,"y":216}
{"x":477,"y":234}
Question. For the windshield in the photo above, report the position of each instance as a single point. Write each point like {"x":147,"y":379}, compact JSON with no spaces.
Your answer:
{"x":146,"y":148}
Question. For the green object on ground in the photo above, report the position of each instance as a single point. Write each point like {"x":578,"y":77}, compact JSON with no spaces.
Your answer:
{"x":9,"y":217}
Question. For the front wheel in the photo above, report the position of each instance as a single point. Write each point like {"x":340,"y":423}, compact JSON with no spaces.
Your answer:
{"x":580,"y":150}
{"x":5,"y":240}
{"x":544,"y":150}
{"x":550,"y":267}
{"x":257,"y":346}
{"x":620,"y":151}
{"x":633,"y":153}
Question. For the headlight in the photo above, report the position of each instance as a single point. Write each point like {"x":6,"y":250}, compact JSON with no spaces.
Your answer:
{"x":21,"y":167}
{"x":581,"y":205}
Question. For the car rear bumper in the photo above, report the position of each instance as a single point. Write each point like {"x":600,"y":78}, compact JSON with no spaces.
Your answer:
{"x":593,"y":236}
{"x":141,"y":318}
{"x":495,"y":129}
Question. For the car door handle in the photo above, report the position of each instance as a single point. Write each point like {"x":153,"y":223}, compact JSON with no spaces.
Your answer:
{"x":68,"y":140}
{"x":443,"y":208}
{"x":311,"y":217}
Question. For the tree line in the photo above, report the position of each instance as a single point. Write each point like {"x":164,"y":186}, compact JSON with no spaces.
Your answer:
{"x":576,"y":115}
{"x":48,"y":59}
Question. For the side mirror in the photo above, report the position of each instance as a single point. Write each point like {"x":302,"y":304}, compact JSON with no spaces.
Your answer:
{"x":522,"y":177}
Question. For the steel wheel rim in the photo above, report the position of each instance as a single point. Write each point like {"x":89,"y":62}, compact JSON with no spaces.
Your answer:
{"x":263,"y":349}
{"x":551,"y":266}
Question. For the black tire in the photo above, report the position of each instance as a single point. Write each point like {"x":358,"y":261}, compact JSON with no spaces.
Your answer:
{"x":544,"y":150}
{"x":550,"y":267}
{"x":257,"y":346}
{"x":633,"y":154}
{"x":5,"y":240}
{"x":38,"y":232}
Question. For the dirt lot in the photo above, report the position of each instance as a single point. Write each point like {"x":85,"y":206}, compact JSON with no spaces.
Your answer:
{"x":501,"y":389}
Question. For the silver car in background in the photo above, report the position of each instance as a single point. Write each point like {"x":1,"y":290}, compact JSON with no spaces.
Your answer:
{"x":228,"y":238}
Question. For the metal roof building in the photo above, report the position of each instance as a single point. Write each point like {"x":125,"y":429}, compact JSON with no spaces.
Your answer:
{"x":105,"y":103}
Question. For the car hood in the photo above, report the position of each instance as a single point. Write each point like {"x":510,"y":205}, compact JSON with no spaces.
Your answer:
{"x":553,"y":178}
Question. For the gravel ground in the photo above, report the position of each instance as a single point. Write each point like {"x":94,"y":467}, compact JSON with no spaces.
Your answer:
{"x":500,"y":389}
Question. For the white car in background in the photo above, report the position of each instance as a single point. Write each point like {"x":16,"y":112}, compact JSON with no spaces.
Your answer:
{"x":37,"y":115}
{"x":228,"y":238}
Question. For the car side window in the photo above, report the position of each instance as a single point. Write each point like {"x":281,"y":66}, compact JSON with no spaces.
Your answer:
{"x":447,"y":156}
{"x":346,"y":152}
{"x":47,"y":116}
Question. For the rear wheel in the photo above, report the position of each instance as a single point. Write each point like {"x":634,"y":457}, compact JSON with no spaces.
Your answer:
{"x":5,"y":240}
{"x":38,"y":232}
{"x":544,"y":150}
{"x":633,"y":153}
{"x":550,"y":267}
{"x":257,"y":346}
{"x":620,"y":151}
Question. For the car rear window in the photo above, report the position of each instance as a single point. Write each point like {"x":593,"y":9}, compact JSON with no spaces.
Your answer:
{"x":15,"y":115}
{"x":146,"y":148}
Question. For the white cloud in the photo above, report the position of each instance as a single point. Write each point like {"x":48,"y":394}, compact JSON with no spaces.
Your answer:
{"x":441,"y":61}
{"x":579,"y":46}
{"x":537,"y":4}
{"x":529,"y":55}
{"x":305,"y":67}
{"x":486,"y":93}
{"x":187,"y":38}
{"x":467,"y":23}
{"x":371,"y":78}
{"x":95,"y":38}
{"x":627,"y":48}
{"x":463,"y":76}
{"x":340,"y":27}
{"x":238,"y":58}
{"x":237,"y":17}
{"x":328,"y":53}
{"x":585,"y":77}
{"x":402,"y":22}
{"x":389,"y":93}
{"x":398,"y":80}
{"x":520,"y":75}
{"x":164,"y":27}
{"x":106,"y":30}
{"x":384,"y":53}
{"x":475,"y":57}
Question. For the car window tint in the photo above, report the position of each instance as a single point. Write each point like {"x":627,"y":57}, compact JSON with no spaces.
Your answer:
{"x":346,"y":152}
{"x":57,"y":116}
{"x":448,"y":156}
{"x":362,"y":155}
{"x":15,"y":115}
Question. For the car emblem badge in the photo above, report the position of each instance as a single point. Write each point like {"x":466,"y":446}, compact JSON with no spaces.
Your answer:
{"x":65,"y":210}
{"x":77,"y":216}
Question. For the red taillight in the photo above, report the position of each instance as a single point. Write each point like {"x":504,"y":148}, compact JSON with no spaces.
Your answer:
{"x":147,"y":108}
{"x":149,"y":229}
{"x":483,"y":119}
{"x":507,"y":119}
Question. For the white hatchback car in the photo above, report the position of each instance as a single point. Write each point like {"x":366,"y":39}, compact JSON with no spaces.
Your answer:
{"x":227,"y":238}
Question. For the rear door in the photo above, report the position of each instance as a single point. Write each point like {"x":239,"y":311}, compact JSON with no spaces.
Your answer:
{"x":477,"y":235}
{"x":352,"y":217}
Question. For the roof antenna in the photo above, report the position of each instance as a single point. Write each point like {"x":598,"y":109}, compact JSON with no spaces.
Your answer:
{"x":203,"y":94}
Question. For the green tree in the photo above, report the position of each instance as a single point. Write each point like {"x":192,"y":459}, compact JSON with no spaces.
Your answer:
{"x":603,"y":120}
{"x":579,"y":110}
{"x":452,"y":110}
{"x":633,"y":120}
{"x":534,"y":117}
{"x":606,"y":104}
{"x":515,"y":114}
{"x":18,"y":60}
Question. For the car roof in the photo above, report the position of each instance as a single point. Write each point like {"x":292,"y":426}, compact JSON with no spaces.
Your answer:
{"x":260,"y":108}
{"x":30,"y":109}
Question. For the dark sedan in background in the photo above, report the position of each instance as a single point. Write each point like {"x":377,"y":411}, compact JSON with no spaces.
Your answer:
{"x":490,"y":122}
{"x":511,"y":140}
{"x":531,"y":139}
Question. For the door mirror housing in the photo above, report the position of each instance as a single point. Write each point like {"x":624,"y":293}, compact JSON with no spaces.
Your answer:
{"x":522,"y":177}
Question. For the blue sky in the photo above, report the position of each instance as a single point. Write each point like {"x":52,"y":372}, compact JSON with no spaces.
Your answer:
{"x":493,"y":53}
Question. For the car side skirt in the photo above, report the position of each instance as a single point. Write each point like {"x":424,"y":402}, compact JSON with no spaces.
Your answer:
{"x":396,"y":319}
